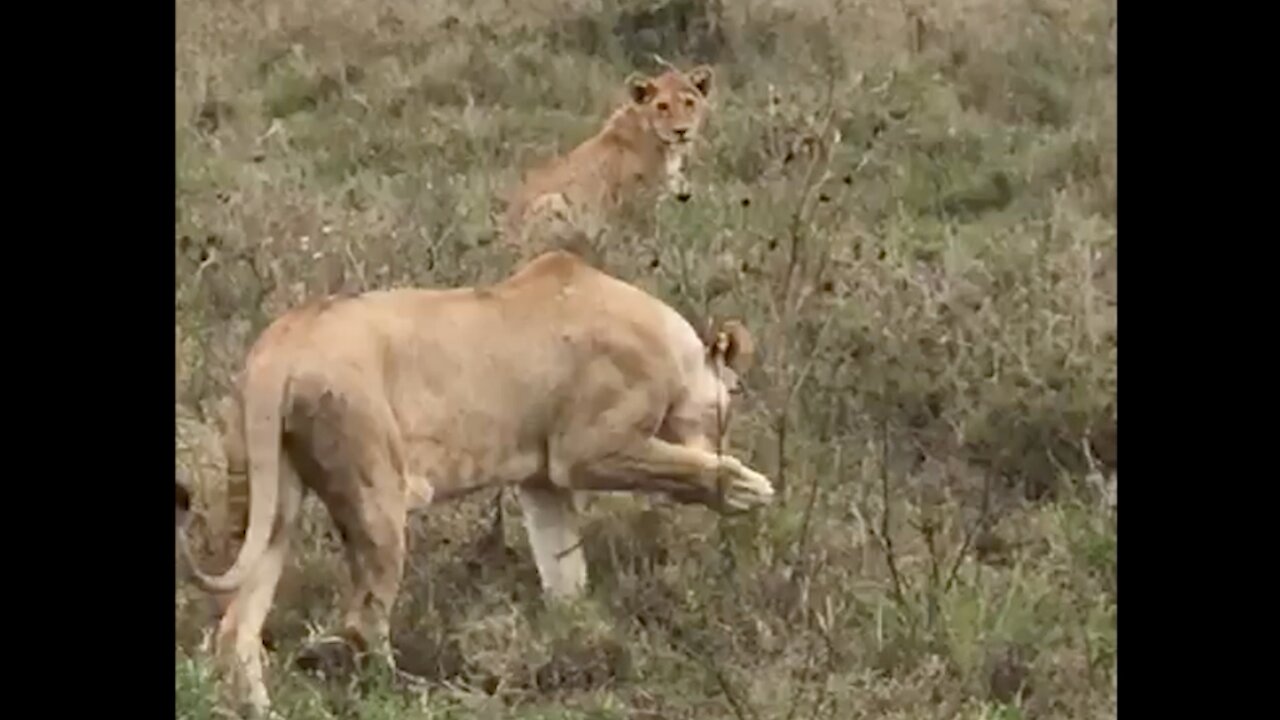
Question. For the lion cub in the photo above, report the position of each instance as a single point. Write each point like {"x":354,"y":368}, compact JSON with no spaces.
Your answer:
{"x":639,"y":153}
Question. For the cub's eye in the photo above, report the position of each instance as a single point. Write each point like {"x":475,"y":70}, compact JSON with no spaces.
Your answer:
{"x":688,"y":102}
{"x":662,"y":105}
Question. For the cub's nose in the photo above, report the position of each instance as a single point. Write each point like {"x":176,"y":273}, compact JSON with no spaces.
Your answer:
{"x":680,"y":132}
{"x":684,"y":196}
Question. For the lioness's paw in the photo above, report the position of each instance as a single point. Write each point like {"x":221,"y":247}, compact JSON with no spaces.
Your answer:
{"x":328,"y":657}
{"x":749,"y":489}
{"x":757,"y":483}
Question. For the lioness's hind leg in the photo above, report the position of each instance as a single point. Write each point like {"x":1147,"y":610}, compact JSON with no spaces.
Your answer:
{"x":239,"y":645}
{"x":370,"y":514}
{"x":376,"y":549}
{"x":345,"y":441}
{"x":552,"y":526}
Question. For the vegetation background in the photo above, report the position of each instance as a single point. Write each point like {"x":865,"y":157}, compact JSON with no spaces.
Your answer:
{"x":913,"y":204}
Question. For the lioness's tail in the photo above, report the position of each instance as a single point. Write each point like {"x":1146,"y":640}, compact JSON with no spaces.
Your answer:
{"x":263,"y":399}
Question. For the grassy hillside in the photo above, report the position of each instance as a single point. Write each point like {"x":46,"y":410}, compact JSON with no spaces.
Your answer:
{"x":912,"y":204}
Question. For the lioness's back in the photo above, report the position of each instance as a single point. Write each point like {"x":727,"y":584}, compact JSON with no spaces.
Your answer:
{"x":575,"y":291}
{"x":531,"y":329}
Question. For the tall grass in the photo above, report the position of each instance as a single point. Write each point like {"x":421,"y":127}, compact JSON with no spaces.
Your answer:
{"x":913,"y":205}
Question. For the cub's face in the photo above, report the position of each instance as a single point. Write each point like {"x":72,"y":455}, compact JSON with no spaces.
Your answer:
{"x":674,"y":103}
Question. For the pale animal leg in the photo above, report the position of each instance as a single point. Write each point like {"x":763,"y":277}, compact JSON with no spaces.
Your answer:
{"x":654,"y":465}
{"x":551,"y":522}
{"x":240,"y":632}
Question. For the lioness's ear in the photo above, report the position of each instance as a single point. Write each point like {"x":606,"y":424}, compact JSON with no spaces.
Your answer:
{"x":701,"y":78}
{"x":706,"y":328}
{"x":742,"y":347}
{"x":641,"y":88}
{"x":734,"y":343}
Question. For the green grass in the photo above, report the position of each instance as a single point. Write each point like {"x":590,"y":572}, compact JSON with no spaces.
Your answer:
{"x":931,"y":279}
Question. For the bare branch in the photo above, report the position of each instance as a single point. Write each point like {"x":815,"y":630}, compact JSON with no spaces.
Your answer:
{"x":838,"y":467}
{"x":899,"y":582}
{"x":972,"y":532}
{"x":741,"y":709}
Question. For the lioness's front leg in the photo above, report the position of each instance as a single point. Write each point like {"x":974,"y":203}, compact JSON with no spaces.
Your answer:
{"x":654,"y":465}
{"x":552,"y":526}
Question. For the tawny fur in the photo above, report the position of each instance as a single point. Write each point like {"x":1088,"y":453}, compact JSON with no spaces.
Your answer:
{"x":558,"y":380}
{"x":640,"y":153}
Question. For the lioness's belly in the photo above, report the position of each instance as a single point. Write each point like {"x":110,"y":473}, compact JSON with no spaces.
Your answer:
{"x":457,"y":468}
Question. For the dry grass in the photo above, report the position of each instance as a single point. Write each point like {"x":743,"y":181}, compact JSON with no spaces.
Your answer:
{"x":913,"y":205}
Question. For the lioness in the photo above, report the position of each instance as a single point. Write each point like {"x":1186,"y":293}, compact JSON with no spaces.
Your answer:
{"x":641,"y":149}
{"x":558,"y":379}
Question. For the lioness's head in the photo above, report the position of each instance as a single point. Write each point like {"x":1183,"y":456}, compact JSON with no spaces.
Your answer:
{"x":730,"y":352}
{"x":674,"y":103}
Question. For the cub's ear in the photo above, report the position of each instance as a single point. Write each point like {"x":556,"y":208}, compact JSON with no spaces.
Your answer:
{"x":732,"y":342}
{"x":701,"y":77}
{"x":641,"y":88}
